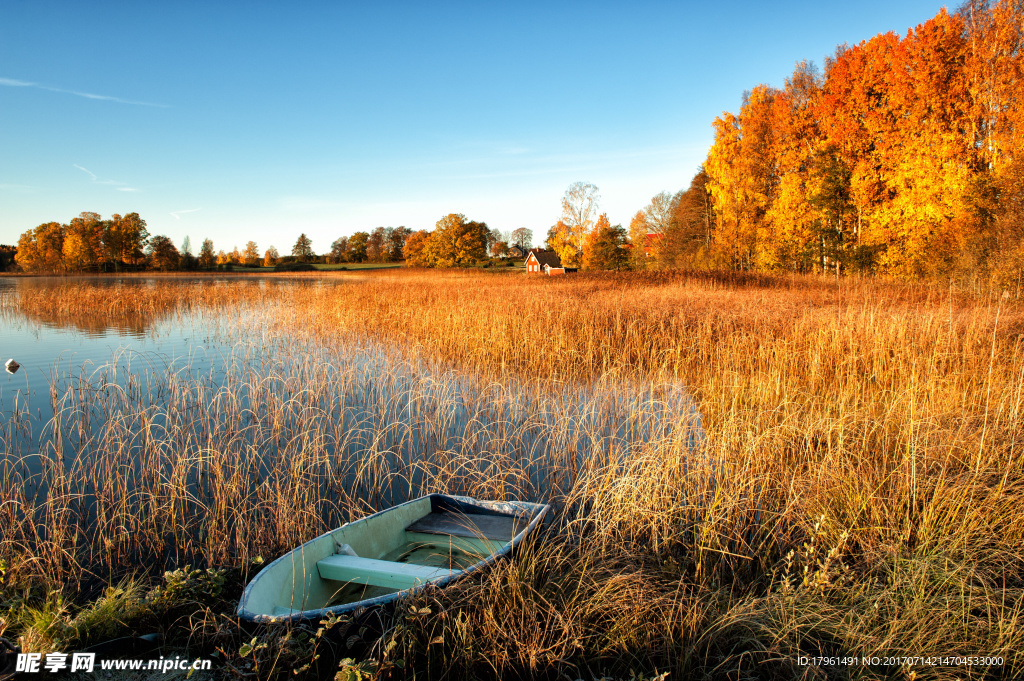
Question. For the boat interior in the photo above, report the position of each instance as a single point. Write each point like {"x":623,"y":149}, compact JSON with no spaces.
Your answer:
{"x":406,"y":546}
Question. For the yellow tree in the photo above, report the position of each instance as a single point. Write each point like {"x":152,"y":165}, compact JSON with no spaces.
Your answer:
{"x":28,"y":256}
{"x":415,"y":249}
{"x":562,"y":241}
{"x":579,"y":209}
{"x":83,"y":242}
{"x":995,"y":80}
{"x":125,"y":237}
{"x":456,"y":242}
{"x":790,"y":218}
{"x":251,"y":255}
{"x":994,"y":74}
{"x":742,"y":177}
{"x":270,"y":257}
{"x":42,"y":249}
{"x":76,"y":252}
{"x":638,"y":239}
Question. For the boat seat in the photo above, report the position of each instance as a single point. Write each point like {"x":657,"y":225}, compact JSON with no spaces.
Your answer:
{"x":385,"y":573}
{"x":493,"y":527}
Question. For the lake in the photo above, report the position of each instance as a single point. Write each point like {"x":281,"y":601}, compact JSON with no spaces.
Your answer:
{"x":169,"y":414}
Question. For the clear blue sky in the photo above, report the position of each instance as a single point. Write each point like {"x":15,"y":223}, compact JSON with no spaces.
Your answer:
{"x":238,"y":121}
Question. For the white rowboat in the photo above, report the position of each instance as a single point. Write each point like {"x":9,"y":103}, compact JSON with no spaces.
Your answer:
{"x":431,"y":540}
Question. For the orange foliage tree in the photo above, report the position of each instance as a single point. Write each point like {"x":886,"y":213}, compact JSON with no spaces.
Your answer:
{"x":900,"y":159}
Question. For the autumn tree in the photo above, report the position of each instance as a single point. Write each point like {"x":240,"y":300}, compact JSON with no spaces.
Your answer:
{"x":207,"y":258}
{"x":415,"y":247}
{"x":791,"y":229}
{"x":303,"y":248}
{"x":339,"y":250}
{"x":456,"y":242}
{"x":271,"y":257}
{"x":26,"y":253}
{"x":357,"y":247}
{"x":162,"y":253}
{"x":742,"y":177}
{"x":648,"y":227}
{"x":832,"y":200}
{"x":251,"y":254}
{"x":83,"y":242}
{"x":76,"y":252}
{"x":42,"y":249}
{"x":125,"y":238}
{"x":689,"y":238}
{"x":395,"y":242}
{"x":638,"y":241}
{"x":376,"y":246}
{"x":579,"y":209}
{"x":605,"y":248}
{"x":560,"y":240}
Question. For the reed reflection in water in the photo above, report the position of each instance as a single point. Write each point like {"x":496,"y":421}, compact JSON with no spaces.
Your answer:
{"x":278,"y":435}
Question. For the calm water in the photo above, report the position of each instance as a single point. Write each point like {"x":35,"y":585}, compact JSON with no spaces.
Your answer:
{"x":203,"y":379}
{"x":95,"y":350}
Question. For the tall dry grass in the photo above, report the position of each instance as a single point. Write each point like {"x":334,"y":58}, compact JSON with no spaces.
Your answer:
{"x":857,"y":491}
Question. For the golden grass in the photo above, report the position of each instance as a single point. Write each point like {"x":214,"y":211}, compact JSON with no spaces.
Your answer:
{"x":858,"y":491}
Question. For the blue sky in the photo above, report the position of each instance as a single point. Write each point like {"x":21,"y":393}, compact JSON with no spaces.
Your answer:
{"x":242,"y":121}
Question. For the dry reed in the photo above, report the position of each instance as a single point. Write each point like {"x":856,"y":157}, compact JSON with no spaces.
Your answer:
{"x":856,"y":492}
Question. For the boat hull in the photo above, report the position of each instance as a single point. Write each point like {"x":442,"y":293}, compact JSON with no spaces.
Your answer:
{"x":432,"y":540}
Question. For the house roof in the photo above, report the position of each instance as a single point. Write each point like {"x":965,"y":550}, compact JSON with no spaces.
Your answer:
{"x":547,"y":258}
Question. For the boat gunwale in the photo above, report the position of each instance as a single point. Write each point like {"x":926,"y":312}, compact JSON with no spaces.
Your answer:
{"x":437,"y":501}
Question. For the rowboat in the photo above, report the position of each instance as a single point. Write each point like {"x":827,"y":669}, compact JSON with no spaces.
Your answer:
{"x":433,"y":540}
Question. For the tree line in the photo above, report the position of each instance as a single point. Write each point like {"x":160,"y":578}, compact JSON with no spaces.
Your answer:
{"x":123,"y":243}
{"x":904,"y":157}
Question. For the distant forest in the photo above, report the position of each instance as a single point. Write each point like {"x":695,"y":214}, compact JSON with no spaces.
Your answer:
{"x":89,"y":243}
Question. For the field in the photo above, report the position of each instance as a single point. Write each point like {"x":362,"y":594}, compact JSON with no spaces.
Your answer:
{"x":857,"y":491}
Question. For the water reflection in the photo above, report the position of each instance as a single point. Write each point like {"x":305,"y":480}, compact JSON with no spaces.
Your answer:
{"x":127,"y":306}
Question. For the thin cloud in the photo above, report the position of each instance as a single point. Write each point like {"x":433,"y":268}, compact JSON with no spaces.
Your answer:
{"x":119,"y":186}
{"x":11,"y":82}
{"x":178,"y":213}
{"x":85,"y":170}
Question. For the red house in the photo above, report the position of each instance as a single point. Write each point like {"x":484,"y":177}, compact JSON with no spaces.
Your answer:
{"x":544,"y":261}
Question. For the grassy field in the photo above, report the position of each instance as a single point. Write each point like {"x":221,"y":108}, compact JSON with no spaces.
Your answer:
{"x":858,"y":491}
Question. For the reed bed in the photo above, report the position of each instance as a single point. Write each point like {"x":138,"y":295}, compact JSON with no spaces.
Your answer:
{"x":852,"y":487}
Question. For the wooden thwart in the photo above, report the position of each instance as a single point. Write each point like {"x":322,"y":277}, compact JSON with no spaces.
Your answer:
{"x":352,"y":569}
{"x":493,"y":527}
